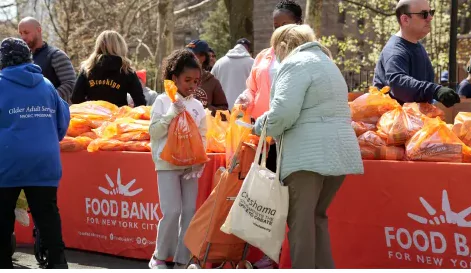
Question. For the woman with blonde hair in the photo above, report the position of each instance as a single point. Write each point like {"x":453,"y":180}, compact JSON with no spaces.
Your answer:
{"x":107,"y":74}
{"x":309,"y":108}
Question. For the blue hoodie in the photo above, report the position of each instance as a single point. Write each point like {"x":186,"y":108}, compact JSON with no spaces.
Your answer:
{"x":33,"y":119}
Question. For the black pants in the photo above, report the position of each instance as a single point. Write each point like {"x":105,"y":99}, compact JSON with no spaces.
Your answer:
{"x":42,"y":203}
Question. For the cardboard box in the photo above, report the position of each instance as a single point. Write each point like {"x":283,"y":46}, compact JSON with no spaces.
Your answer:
{"x":450,"y":113}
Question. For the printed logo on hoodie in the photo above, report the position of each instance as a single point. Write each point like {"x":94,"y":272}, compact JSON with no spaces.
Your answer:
{"x":202,"y":96}
{"x":108,"y":82}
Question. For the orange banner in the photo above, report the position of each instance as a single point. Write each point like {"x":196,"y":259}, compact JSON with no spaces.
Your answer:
{"x":109,"y":202}
{"x":401,"y":215}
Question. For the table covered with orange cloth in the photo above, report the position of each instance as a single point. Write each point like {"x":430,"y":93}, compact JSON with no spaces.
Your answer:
{"x":108,"y":202}
{"x":401,"y":215}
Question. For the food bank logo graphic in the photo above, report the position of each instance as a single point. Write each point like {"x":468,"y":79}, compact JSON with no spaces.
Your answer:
{"x":121,"y":212}
{"x":446,"y":215}
{"x":119,"y":188}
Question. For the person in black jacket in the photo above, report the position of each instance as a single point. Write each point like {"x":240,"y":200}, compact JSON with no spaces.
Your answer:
{"x":107,"y":74}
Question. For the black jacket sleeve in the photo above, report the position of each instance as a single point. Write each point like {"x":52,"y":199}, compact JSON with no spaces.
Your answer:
{"x":79,"y":94}
{"x":136,"y":92}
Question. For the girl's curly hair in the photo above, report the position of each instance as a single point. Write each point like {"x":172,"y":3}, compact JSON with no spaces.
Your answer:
{"x":177,"y":61}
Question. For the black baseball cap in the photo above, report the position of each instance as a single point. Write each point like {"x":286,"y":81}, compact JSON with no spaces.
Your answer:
{"x":244,"y":41}
{"x":198,"y":46}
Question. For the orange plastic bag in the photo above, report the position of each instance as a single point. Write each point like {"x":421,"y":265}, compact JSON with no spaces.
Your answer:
{"x":217,"y":130}
{"x":462,"y":127}
{"x":100,"y":144}
{"x":236,"y":133}
{"x":93,"y":110}
{"x":141,"y":112}
{"x":117,"y":145}
{"x":171,"y":89}
{"x":78,"y":126}
{"x":137,"y":146}
{"x":360,"y":127}
{"x":371,"y":106}
{"x":123,"y":125}
{"x":184,"y":145}
{"x":133,"y":136}
{"x":372,"y":146}
{"x":74,"y":144}
{"x":436,"y":142}
{"x":121,"y":112}
{"x":425,"y":109}
{"x":397,"y":126}
{"x":101,"y":129}
{"x":91,"y":135}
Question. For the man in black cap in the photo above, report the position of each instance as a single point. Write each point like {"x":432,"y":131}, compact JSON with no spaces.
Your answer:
{"x":209,"y":91}
{"x":246,"y":43}
{"x":233,"y":70}
{"x":33,"y":120}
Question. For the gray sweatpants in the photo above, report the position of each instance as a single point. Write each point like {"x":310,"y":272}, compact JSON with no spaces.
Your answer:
{"x":177,"y":198}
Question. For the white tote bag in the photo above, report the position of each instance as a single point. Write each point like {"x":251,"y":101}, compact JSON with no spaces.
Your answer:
{"x":260,"y":210}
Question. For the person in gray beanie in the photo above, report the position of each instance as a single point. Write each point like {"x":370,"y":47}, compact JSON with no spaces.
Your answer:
{"x":33,"y":120}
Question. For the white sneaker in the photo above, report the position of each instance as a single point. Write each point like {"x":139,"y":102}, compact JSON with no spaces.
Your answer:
{"x":155,"y":264}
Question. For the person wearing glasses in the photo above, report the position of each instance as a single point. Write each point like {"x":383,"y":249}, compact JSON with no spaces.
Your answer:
{"x":404,"y":64}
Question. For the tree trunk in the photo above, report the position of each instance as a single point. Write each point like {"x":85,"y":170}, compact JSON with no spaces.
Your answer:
{"x":313,"y":15}
{"x":160,"y":48}
{"x":240,"y":19}
{"x":165,"y":27}
{"x":170,"y":27}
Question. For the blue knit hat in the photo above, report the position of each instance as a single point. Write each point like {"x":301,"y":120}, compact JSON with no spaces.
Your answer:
{"x":13,"y":52}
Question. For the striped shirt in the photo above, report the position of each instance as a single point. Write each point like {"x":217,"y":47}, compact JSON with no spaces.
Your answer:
{"x":65,"y":73}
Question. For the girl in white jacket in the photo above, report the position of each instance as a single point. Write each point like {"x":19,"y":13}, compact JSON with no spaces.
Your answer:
{"x":178,"y":185}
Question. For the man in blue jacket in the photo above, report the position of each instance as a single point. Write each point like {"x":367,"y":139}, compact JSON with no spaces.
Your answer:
{"x":33,"y":119}
{"x":404,"y":64}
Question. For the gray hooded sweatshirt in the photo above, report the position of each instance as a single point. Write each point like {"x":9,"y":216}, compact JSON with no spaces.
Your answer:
{"x":232,"y":72}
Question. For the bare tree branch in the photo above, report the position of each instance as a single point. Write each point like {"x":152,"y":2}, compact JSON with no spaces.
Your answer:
{"x":133,"y":18}
{"x":7,"y":6}
{"x":56,"y":29}
{"x":125,"y":15}
{"x":365,"y":5}
{"x":194,"y":8}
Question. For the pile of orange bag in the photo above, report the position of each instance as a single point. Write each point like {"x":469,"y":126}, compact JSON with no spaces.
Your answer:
{"x":414,"y":131}
{"x":217,"y":131}
{"x":102,"y":126}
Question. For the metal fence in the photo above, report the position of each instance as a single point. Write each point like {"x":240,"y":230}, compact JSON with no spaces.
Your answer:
{"x":360,"y":81}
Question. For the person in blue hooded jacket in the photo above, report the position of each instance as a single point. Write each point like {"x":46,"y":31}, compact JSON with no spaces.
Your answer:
{"x":33,"y":119}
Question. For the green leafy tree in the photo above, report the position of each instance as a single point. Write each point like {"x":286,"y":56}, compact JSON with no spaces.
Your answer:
{"x":216,"y":30}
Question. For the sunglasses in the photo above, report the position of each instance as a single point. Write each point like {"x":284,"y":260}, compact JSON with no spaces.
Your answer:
{"x":424,"y":13}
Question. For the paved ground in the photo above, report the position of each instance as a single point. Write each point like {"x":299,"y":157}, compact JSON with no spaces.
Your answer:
{"x":24,"y":258}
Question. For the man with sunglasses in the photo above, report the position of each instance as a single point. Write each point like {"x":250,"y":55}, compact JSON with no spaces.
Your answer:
{"x":404,"y":64}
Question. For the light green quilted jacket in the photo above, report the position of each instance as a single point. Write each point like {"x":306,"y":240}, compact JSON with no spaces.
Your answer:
{"x":309,"y":104}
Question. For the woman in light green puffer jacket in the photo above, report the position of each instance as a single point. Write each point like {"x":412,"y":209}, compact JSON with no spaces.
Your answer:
{"x":309,"y":105}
